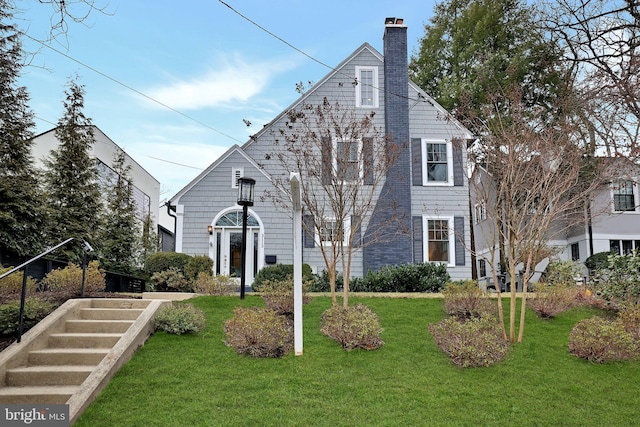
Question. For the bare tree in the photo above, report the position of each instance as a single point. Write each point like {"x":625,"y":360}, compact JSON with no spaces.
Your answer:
{"x":343,"y":160}
{"x":533,"y":182}
{"x":601,"y":40}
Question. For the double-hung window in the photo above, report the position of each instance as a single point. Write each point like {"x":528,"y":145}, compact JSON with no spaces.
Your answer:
{"x":437,"y":162}
{"x":348,"y":164}
{"x":367,"y":87}
{"x":624,"y":198}
{"x":439,"y":240}
{"x":333,"y":231}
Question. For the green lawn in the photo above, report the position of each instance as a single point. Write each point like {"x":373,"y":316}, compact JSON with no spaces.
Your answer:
{"x":198,"y":381}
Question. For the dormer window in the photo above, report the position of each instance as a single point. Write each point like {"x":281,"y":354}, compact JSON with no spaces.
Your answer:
{"x":624,"y":198}
{"x":367,"y":87}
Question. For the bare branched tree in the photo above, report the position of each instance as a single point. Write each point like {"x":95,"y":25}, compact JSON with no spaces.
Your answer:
{"x":534,"y":184}
{"x":601,"y":39}
{"x":343,"y":160}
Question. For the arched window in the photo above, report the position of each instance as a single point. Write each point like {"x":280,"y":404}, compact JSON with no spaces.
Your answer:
{"x":234,"y":219}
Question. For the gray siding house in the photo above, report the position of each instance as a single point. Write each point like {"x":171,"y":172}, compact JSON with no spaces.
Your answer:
{"x":428,"y":181}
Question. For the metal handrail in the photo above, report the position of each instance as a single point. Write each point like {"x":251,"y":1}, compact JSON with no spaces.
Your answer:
{"x":23,"y":295}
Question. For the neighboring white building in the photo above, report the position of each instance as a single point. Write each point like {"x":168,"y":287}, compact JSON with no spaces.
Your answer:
{"x":146,"y":188}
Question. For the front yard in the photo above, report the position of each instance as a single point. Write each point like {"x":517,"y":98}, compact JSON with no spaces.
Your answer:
{"x":198,"y":381}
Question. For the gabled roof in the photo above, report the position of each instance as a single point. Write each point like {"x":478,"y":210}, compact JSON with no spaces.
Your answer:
{"x":234,"y":149}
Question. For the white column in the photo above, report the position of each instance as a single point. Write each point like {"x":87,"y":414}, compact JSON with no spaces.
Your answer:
{"x":179,"y":227}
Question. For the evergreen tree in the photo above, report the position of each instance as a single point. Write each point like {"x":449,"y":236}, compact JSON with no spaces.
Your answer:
{"x":120,"y":242}
{"x":71,"y":177}
{"x":150,"y":243}
{"x":21,"y":216}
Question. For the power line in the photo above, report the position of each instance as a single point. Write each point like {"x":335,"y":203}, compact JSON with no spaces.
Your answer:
{"x":130,"y":88}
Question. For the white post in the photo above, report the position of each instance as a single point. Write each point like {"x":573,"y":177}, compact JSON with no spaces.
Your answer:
{"x":294,"y":178}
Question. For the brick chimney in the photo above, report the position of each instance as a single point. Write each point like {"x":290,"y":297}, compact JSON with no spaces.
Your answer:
{"x":396,"y":247}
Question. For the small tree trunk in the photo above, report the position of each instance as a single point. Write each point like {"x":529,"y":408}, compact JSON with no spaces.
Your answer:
{"x":523,"y":307}
{"x":332,"y":285}
{"x":513,"y":300}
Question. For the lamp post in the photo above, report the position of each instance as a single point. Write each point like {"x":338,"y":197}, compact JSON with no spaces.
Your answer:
{"x":245,"y":199}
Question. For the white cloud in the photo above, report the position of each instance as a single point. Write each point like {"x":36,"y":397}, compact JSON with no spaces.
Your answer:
{"x":227,"y":81}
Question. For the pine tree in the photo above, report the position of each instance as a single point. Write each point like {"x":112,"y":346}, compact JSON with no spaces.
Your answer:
{"x":121,"y":238}
{"x":21,"y":216}
{"x":71,"y":177}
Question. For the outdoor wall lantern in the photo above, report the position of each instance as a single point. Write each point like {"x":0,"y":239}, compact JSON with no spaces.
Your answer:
{"x":245,"y":199}
{"x":210,"y":229}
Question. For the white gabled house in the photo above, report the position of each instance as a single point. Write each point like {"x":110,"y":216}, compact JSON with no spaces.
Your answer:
{"x":429,"y":187}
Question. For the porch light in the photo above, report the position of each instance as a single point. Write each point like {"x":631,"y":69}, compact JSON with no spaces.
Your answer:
{"x":210,"y":228}
{"x":245,"y":199}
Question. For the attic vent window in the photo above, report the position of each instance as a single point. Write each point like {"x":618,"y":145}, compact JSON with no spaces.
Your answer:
{"x":236,"y":174}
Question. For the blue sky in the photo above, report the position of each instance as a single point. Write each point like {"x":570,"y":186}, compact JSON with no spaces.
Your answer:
{"x":200,"y":58}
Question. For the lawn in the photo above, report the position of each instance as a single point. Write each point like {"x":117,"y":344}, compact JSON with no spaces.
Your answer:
{"x":198,"y":381}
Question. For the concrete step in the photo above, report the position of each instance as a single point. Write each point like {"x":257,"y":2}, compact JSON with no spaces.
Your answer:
{"x":100,"y":326}
{"x":47,"y":375}
{"x":36,"y":395}
{"x":119,"y":303}
{"x":83,"y":340}
{"x":110,"y":313}
{"x":67,"y":356}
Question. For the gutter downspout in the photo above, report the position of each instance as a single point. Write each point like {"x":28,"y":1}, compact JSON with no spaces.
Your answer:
{"x":170,"y":210}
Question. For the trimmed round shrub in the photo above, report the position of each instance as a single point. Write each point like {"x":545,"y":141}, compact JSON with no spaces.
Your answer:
{"x":598,"y":261}
{"x":214,"y":285}
{"x":35,"y":309}
{"x":68,"y":280}
{"x":169,"y":280}
{"x":259,"y":332}
{"x":549,"y":299}
{"x":629,"y":316}
{"x":421,"y":277}
{"x":11,"y":285}
{"x":161,"y":261}
{"x":601,"y":340}
{"x":278,"y":296}
{"x":196,"y":265}
{"x":465,"y":299}
{"x":180,"y":319}
{"x":353,"y":327}
{"x":278,"y":273}
{"x":472,"y":342}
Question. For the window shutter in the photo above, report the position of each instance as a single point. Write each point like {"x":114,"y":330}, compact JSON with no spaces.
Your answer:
{"x":458,"y":229}
{"x":367,"y":158}
{"x":357,"y":238}
{"x":307,"y":229}
{"x":417,"y":239}
{"x":327,"y":161}
{"x":458,"y":170}
{"x":416,"y":159}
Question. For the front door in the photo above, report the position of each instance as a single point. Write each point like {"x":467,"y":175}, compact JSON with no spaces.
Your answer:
{"x":229,"y":256}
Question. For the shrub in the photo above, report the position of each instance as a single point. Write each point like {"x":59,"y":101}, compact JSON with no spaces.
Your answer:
{"x":196,"y":265}
{"x":353,"y":327}
{"x":563,"y":272}
{"x":161,"y":261}
{"x":278,"y":296}
{"x":180,"y":319}
{"x":321,"y":283}
{"x":597,"y":261}
{"x":214,"y":285}
{"x":629,"y":316}
{"x":601,"y":340}
{"x":170,"y":280}
{"x":619,"y":282}
{"x":35,"y":309}
{"x":277,"y":273}
{"x":465,"y":299}
{"x":11,"y":286}
{"x":421,"y":277}
{"x":68,"y":280}
{"x":259,"y":332}
{"x":473,"y":342}
{"x":550,"y":299}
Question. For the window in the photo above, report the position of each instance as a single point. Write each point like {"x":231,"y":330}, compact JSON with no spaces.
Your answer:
{"x":333,"y":231}
{"x":439,"y":240}
{"x":624,"y":247}
{"x":236,"y":174}
{"x":367,"y":87}
{"x":575,"y":252}
{"x":624,"y":197}
{"x":480,"y":212}
{"x":482,"y":268}
{"x":347,"y":160}
{"x":437,"y":164}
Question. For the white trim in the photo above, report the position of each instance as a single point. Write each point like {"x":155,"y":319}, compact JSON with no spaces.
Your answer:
{"x":346,"y":232}
{"x":179,"y":227}
{"x":425,"y":175}
{"x":425,"y":238}
{"x":374,"y":87}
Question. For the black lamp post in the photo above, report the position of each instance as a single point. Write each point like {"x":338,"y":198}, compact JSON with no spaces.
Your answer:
{"x":245,"y":199}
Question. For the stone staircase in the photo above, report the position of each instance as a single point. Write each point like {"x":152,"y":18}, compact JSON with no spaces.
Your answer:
{"x":73,"y":353}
